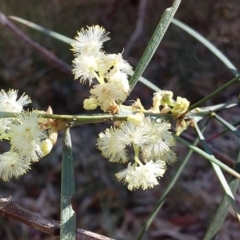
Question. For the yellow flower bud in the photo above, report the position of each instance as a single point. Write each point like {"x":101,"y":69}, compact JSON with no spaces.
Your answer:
{"x":180,"y":107}
{"x":90,"y":103}
{"x":46,"y":146}
{"x":167,"y":99}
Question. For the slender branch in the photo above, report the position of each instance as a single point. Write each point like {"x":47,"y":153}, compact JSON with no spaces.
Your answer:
{"x":54,"y":60}
{"x":35,"y":220}
{"x":219,"y":90}
{"x":226,"y":159}
{"x":207,"y":156}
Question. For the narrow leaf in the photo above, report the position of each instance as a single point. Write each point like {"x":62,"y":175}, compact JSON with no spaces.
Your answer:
{"x":219,"y":174}
{"x":207,"y":44}
{"x":154,"y":42}
{"x":68,"y":216}
{"x":44,"y":30}
{"x":215,"y":92}
{"x":210,"y":158}
{"x":233,"y":129}
{"x":199,"y":113}
{"x":222,"y":209}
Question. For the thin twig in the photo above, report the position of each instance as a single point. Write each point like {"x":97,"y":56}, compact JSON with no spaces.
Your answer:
{"x":35,"y":220}
{"x":54,"y":60}
{"x":220,"y":155}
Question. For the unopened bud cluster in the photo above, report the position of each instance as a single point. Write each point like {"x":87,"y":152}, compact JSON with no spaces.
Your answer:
{"x":164,"y":99}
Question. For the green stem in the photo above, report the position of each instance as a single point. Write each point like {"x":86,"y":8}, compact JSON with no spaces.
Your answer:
{"x":234,"y":80}
{"x":208,"y":157}
{"x":76,"y":120}
{"x":219,"y":174}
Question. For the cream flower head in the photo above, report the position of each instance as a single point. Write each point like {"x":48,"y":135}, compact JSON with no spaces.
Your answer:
{"x":151,"y":142}
{"x":144,"y":176}
{"x":10,"y":103}
{"x":26,"y":135}
{"x":12,"y":166}
{"x":90,"y":40}
{"x":109,"y":70}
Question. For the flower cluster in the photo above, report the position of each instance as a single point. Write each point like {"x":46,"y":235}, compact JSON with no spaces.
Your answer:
{"x":165,"y":99}
{"x":149,"y":137}
{"x":26,"y":133}
{"x":151,"y":141}
{"x":110,"y":70}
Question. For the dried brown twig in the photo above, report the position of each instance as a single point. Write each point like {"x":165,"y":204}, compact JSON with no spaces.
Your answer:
{"x":35,"y":220}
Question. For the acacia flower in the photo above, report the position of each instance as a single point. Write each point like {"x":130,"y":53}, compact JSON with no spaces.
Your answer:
{"x":180,"y":107}
{"x":110,"y":70}
{"x":161,"y":141}
{"x":90,"y":103}
{"x":26,"y":135}
{"x":115,"y":62}
{"x":10,"y":103}
{"x":151,"y":142}
{"x":31,"y":137}
{"x":88,"y":62}
{"x":90,"y":40}
{"x":152,"y":137}
{"x":119,"y":78}
{"x":111,"y":147}
{"x":167,"y":98}
{"x":113,"y":142}
{"x":107,"y":94}
{"x":163,"y":98}
{"x":12,"y":166}
{"x":85,"y":67}
{"x":144,"y":175}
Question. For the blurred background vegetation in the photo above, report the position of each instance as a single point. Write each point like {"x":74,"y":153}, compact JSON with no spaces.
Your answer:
{"x":181,"y":65}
